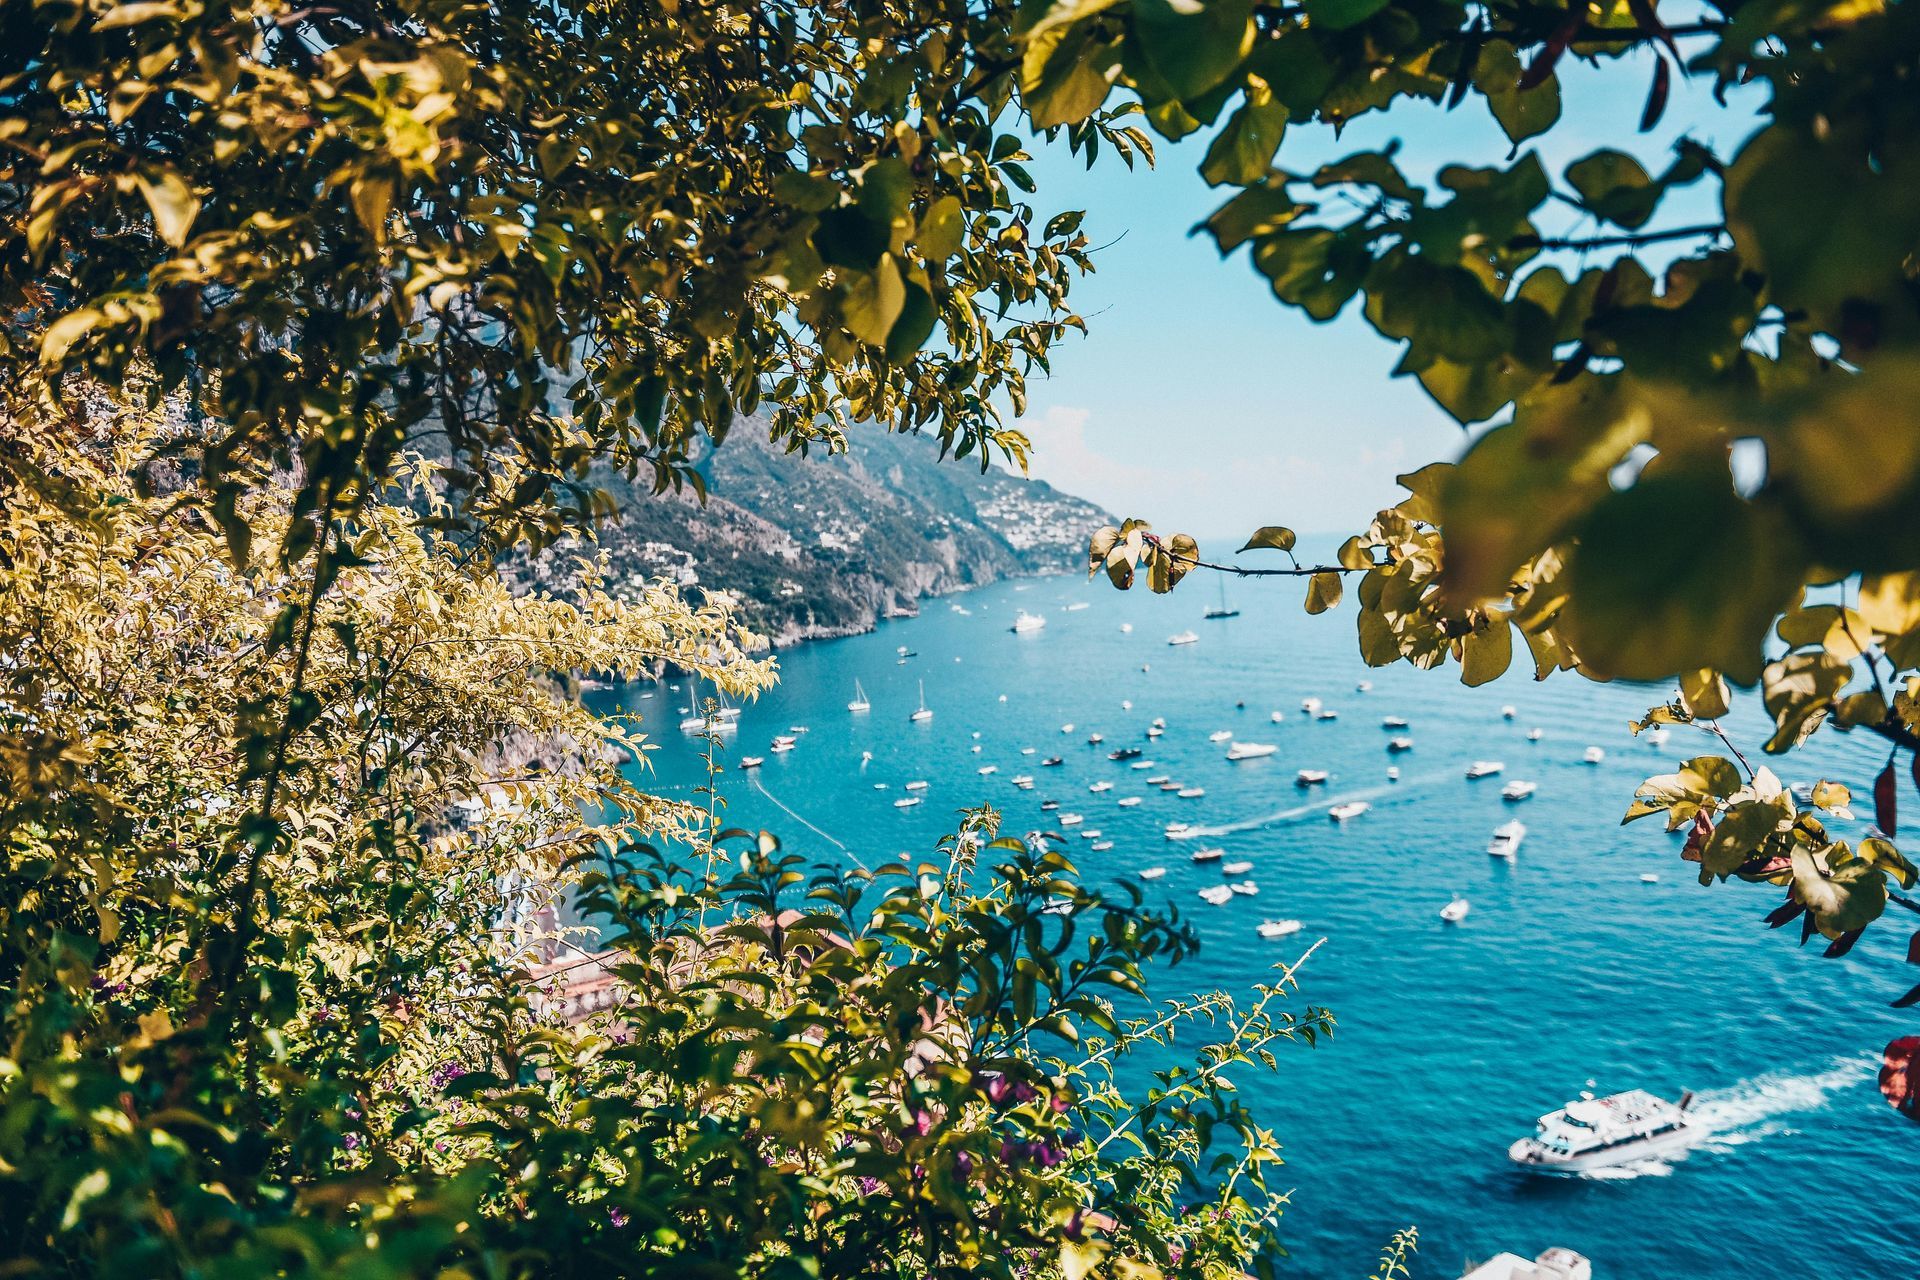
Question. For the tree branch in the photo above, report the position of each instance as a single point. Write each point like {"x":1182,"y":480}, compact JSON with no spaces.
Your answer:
{"x":1629,"y":239}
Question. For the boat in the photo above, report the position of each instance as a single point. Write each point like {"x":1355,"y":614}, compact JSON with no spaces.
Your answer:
{"x":1181,"y":831}
{"x":1157,"y":779}
{"x":1095,"y":739}
{"x":1098,"y":787}
{"x":1535,"y":734}
{"x":1393,"y":773}
{"x":1222,"y":610}
{"x":1159,"y":722}
{"x":1400,"y":744}
{"x":1126,"y":704}
{"x":1220,"y":735}
{"x":922,"y":715}
{"x":1152,"y":873}
{"x":1557,"y":1263}
{"x":1279,"y":928}
{"x":1101,"y":846}
{"x":1592,"y":755}
{"x":1456,"y":911}
{"x":1649,"y":877}
{"x":1048,"y":806}
{"x":1277,"y":716}
{"x":783,"y":742}
{"x":1021,"y":779}
{"x":1239,"y":868}
{"x":1310,"y":777}
{"x":1071,"y":819}
{"x":1245,"y":888}
{"x":986,"y":769}
{"x":1309,"y":705}
{"x":1506,"y":839}
{"x":1508,"y":713}
{"x":1171,"y":786}
{"x":1327,"y":713}
{"x":1598,"y":1133}
{"x":1141,"y":764}
{"x":1218,"y":894}
{"x":1028,"y":622}
{"x":1249,"y":750}
{"x":1126,"y":628}
{"x":1517,"y":790}
{"x":1484,"y":768}
{"x":1365,"y":686}
{"x":1091,"y":833}
{"x":1657,"y":736}
{"x":1208,"y":855}
{"x":1184,"y":637}
{"x":1127,"y":802}
{"x":1126,"y":753}
{"x":1050,"y":762}
{"x":1191,"y":793}
{"x":906,"y":802}
{"x":859,"y":702}
{"x":916,"y":786}
{"x":1351,"y":809}
{"x":1394,"y":722}
{"x":754,"y":762}
{"x":1067,"y":727}
{"x":1154,"y":731}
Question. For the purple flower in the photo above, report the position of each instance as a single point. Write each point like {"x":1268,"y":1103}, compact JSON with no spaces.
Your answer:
{"x":997,"y":1089}
{"x":922,"y":1123}
{"x":869,"y":1185}
{"x":616,"y":1217}
{"x":351,"y":1141}
{"x":963,"y":1163}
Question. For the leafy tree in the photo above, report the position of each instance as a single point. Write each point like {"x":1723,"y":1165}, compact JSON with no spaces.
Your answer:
{"x":1704,"y":475}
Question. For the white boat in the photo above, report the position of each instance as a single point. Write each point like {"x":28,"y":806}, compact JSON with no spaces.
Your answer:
{"x":1400,"y":744}
{"x":1067,"y":727}
{"x":1095,"y":739}
{"x":1277,"y":716}
{"x":1126,"y":704}
{"x":859,"y":702}
{"x":1028,"y":622}
{"x":1091,"y":833}
{"x":1249,"y":750}
{"x":1506,"y":839}
{"x":1310,"y":777}
{"x":1456,"y":911}
{"x":1517,"y":790}
{"x":1181,"y":831}
{"x":1239,"y":868}
{"x":1191,"y":793}
{"x":1021,"y":779}
{"x":1098,"y":787}
{"x":881,"y":786}
{"x":1217,"y":894}
{"x":1279,"y":928}
{"x":1141,"y":764}
{"x":1649,"y":877}
{"x":1592,"y":755}
{"x":922,"y":715}
{"x":1309,"y":705}
{"x":1154,"y":731}
{"x":1048,"y":806}
{"x":1208,"y":855}
{"x":1127,"y":802}
{"x":1351,"y":809}
{"x":916,"y":786}
{"x":784,"y":742}
{"x":1126,"y":628}
{"x":1326,"y":714}
{"x":1597,"y":1133}
{"x":1557,"y":1263}
{"x":1245,"y":888}
{"x":1157,"y":779}
{"x":1071,"y":819}
{"x":1220,"y":735}
{"x":906,"y":802}
{"x":986,"y":769}
{"x":1394,"y":722}
{"x":1159,"y":722}
{"x":1184,"y":637}
{"x":1484,"y":768}
{"x":1508,"y":713}
{"x":1152,"y":873}
{"x":1101,"y":846}
{"x":752,"y":762}
{"x":1534,"y":735}
{"x":1026,"y":751}
{"x":1393,"y":773}
{"x":1365,"y":686}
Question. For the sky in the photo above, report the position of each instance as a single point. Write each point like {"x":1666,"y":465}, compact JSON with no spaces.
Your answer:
{"x":1202,"y":404}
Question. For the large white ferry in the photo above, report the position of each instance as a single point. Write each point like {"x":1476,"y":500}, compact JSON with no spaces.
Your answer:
{"x":1594,"y":1133}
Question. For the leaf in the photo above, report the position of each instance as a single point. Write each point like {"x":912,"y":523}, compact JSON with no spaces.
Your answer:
{"x":1064,"y":75}
{"x":1277,"y":537}
{"x":1100,"y":546}
{"x":1738,"y":836}
{"x":942,"y":229}
{"x":1705,"y":693}
{"x":1243,"y":151}
{"x":1797,"y":690}
{"x":172,"y":202}
{"x":1486,"y":653}
{"x":1841,"y":902}
{"x":1613,"y":185}
{"x":1886,"y":801}
{"x":1193,"y":44}
{"x":1338,"y":15}
{"x":1521,"y":112}
{"x":1323,"y":592}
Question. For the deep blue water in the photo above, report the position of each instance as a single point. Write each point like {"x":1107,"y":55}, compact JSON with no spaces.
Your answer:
{"x":1450,"y":1040}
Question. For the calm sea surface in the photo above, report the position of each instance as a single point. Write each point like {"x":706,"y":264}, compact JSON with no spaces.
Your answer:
{"x":1450,"y":1039}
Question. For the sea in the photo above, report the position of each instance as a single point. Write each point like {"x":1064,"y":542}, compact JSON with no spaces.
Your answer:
{"x":1571,"y":972}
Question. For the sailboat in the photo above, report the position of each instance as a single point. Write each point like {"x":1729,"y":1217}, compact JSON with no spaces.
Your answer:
{"x":722,"y":719}
{"x":859,"y":702}
{"x":923,"y":714}
{"x":1222,"y":611}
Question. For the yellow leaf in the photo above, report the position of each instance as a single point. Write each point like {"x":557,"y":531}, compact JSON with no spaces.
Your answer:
{"x":172,"y":202}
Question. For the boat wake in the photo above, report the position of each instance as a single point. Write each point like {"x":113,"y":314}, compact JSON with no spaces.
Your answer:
{"x":1749,"y":1111}
{"x":775,"y":801}
{"x":1316,"y":808}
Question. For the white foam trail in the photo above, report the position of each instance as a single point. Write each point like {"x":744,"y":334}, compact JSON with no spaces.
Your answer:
{"x":1319,"y":807}
{"x":1748,"y":1111}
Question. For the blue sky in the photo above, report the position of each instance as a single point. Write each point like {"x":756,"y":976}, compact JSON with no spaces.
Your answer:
{"x":1202,"y":404}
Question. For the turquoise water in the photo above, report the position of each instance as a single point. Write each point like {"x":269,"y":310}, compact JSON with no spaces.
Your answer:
{"x":1450,"y":1039}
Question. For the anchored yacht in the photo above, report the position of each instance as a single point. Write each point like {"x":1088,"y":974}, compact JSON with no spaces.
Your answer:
{"x":860,"y":702}
{"x":1506,"y":839}
{"x":1484,"y":768}
{"x":1351,"y":809}
{"x":1592,"y":755}
{"x":1594,"y":1133}
{"x":1028,"y":621}
{"x":1184,"y":637}
{"x":1152,"y":873}
{"x":1309,"y":777}
{"x":1279,"y":928}
{"x":1518,"y":790}
{"x":1249,"y":750}
{"x":1208,"y":855}
{"x":1456,"y":911}
{"x":1236,"y":868}
{"x":1217,"y":894}
{"x":1400,"y":744}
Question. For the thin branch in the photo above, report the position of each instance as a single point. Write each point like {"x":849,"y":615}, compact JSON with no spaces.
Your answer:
{"x":1624,"y":240}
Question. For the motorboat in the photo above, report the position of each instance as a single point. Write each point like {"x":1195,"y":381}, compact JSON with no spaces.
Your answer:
{"x":1127,"y":802}
{"x":1126,"y":628}
{"x":1309,"y":705}
{"x":986,"y":769}
{"x":1021,"y":779}
{"x":1326,"y":713}
{"x":1028,"y":622}
{"x":1154,"y":731}
{"x":1400,"y":744}
{"x":783,"y":743}
{"x":1351,"y":809}
{"x":1535,"y":734}
{"x":1098,"y":787}
{"x":1181,"y":831}
{"x":1239,"y":868}
{"x":1592,"y":755}
{"x":1126,"y":753}
{"x":906,"y":802}
{"x":878,"y":786}
{"x":1101,"y":846}
{"x":754,"y":762}
{"x":1152,"y":873}
{"x":1394,"y":722}
{"x":1484,"y":768}
{"x":1279,"y":928}
{"x":1170,"y":785}
{"x":922,"y":715}
{"x":1184,"y":637}
{"x":1598,"y":1133}
{"x":1091,"y":833}
{"x":1249,"y":750}
{"x":1048,"y":806}
{"x":975,"y":748}
{"x":1516,"y":791}
{"x":1220,"y":735}
{"x":1649,"y":877}
{"x":1506,"y":839}
{"x":1657,"y":736}
{"x":904,"y":652}
{"x":1557,"y":1263}
{"x":1276,"y":716}
{"x":1157,"y":779}
{"x":1026,"y":751}
{"x":916,"y":786}
{"x":1191,"y":793}
{"x":1456,"y":911}
{"x":1245,"y":888}
{"x":1508,"y":713}
{"x":1208,"y":855}
{"x":1393,"y":773}
{"x":1218,"y":894}
{"x":1159,"y":722}
{"x":1141,"y":764}
{"x":1071,"y":819}
{"x":1067,"y":727}
{"x":1095,"y":739}
{"x":1310,"y":777}
{"x":1050,"y":762}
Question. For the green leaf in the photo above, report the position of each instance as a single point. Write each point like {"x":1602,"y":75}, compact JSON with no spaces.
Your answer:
{"x":1277,"y":537}
{"x":1323,"y":592}
{"x":1521,"y":113}
{"x":1243,"y":151}
{"x":1797,"y":691}
{"x":1850,"y":898}
{"x":1614,"y":186}
{"x":1255,"y":212}
{"x":942,"y":230}
{"x":1487,"y":652}
{"x":1338,"y":15}
{"x":1738,"y":836}
{"x":1065,"y":75}
{"x":1193,"y":44}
